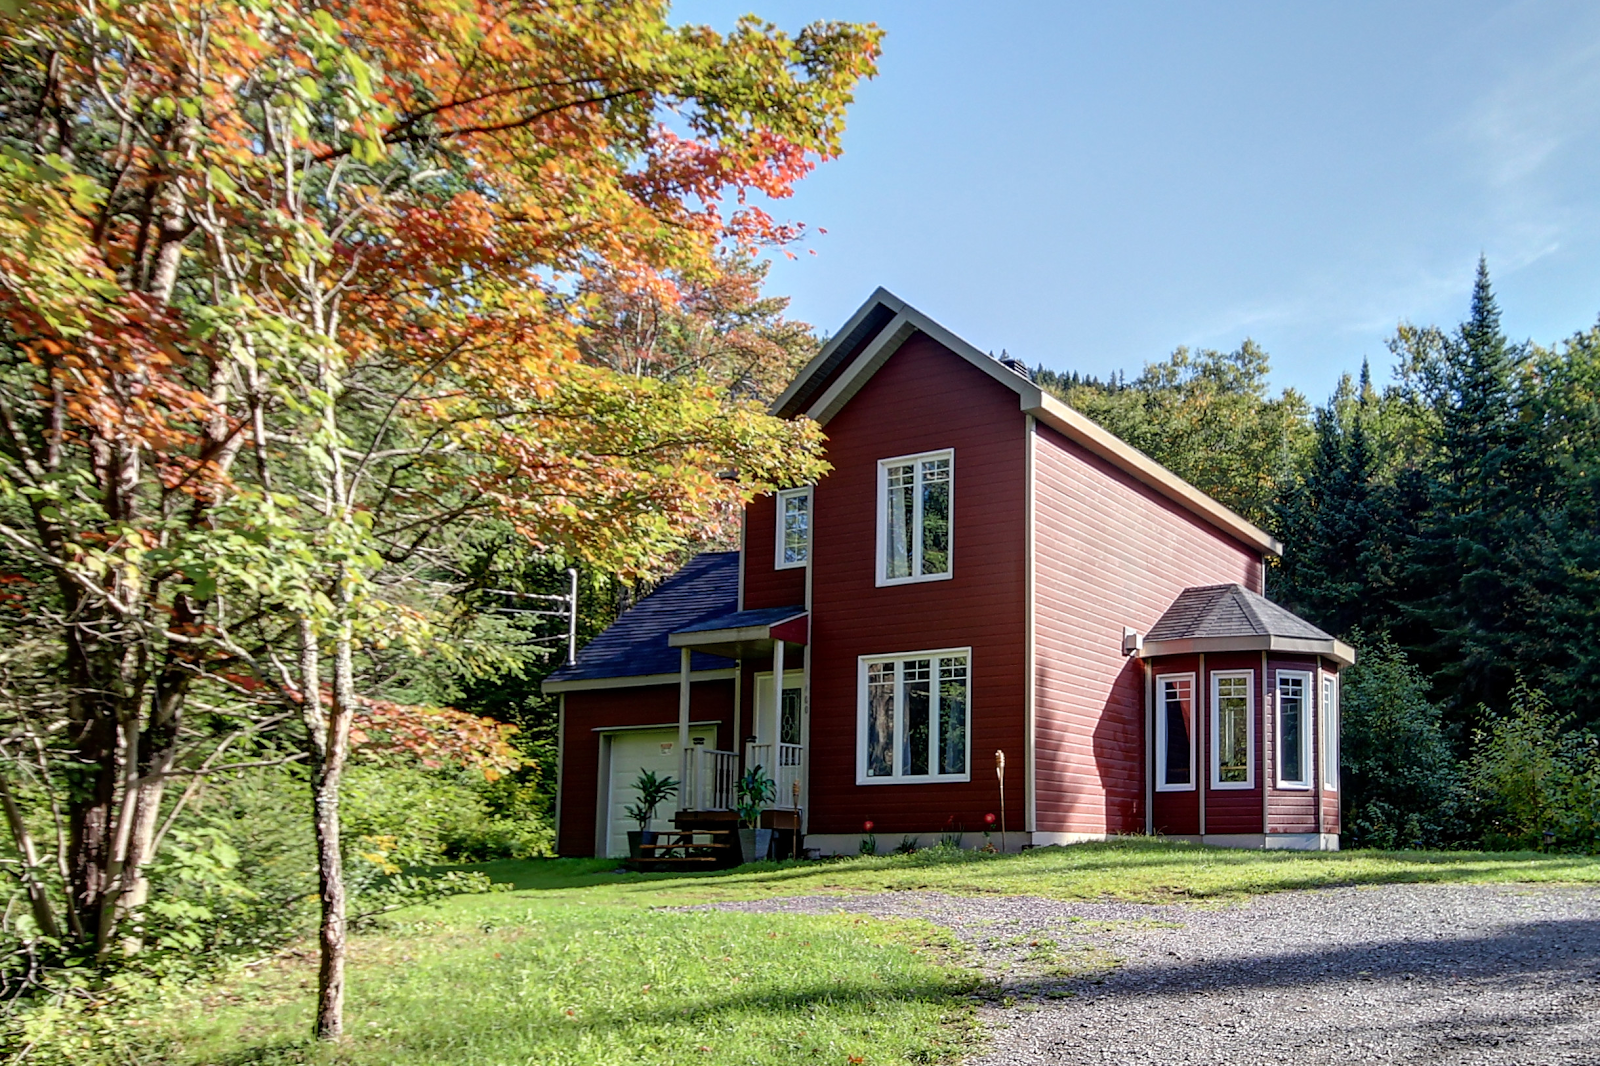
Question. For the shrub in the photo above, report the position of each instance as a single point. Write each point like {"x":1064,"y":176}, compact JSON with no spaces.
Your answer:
{"x":1398,"y":778}
{"x":1529,"y":776}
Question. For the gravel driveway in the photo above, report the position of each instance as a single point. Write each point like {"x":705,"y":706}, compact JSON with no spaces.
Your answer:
{"x":1396,"y":973}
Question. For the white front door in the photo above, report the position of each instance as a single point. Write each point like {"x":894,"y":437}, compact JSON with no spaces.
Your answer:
{"x":779,"y":727}
{"x":774,"y":723}
{"x":633,"y":751}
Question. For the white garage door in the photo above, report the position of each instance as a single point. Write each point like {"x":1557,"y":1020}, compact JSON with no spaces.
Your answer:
{"x":631,"y":752}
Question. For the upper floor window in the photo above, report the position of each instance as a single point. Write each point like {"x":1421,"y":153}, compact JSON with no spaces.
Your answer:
{"x":1294,"y":730}
{"x":1175,"y":733}
{"x":794,"y":527}
{"x":1233,"y":730}
{"x":914,"y":504}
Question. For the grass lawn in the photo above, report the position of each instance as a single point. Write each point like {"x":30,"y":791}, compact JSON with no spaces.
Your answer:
{"x":579,"y":965}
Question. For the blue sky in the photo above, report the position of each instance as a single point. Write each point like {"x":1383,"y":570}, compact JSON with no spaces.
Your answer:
{"x":1091,"y":185}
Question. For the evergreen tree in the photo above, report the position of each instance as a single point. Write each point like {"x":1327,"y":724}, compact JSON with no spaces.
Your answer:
{"x":1327,"y":519}
{"x":1478,"y":517}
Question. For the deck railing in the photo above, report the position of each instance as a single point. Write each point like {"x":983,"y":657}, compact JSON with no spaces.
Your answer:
{"x":713,"y":779}
{"x":783,"y":766}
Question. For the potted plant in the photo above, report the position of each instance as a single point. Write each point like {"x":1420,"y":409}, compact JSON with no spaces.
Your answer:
{"x":653,"y":791}
{"x":756,"y":790}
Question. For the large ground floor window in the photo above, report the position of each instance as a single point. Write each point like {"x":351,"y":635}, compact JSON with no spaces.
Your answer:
{"x":915,"y":717}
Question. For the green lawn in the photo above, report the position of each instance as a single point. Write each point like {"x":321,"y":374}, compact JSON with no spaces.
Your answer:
{"x":579,"y":965}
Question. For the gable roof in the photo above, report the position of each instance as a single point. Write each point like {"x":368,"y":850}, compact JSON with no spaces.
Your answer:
{"x":635,"y":645}
{"x":1232,"y":618}
{"x":885,"y":322}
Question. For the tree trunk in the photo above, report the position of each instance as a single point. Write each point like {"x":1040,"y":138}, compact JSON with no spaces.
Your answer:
{"x":44,"y":916}
{"x":330,"y":871}
{"x":89,"y":815}
{"x":330,"y":744}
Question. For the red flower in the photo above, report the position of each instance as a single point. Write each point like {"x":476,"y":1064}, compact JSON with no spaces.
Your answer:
{"x":988,"y":819}
{"x":866,"y":827}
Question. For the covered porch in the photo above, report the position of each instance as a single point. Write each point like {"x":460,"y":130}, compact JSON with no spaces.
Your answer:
{"x":770,"y":734}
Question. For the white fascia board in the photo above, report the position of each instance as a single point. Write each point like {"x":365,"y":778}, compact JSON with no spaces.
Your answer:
{"x":880,"y":297}
{"x":592,"y":684}
{"x":873,"y":356}
{"x":1337,"y":650}
{"x":900,"y":329}
{"x":1119,"y":453}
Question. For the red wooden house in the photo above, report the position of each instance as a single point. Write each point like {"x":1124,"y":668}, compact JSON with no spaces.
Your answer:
{"x":984,"y":570}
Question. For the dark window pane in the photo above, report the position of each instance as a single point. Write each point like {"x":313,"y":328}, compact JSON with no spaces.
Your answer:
{"x":936,"y":517}
{"x":900,"y":520}
{"x":1291,"y":729}
{"x":1233,"y":730}
{"x":917,"y":708}
{"x":789,"y":717}
{"x":880,"y":720}
{"x":1177,"y":768}
{"x":953,"y":716}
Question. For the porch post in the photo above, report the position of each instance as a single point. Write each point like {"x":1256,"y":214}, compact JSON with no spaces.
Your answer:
{"x":683,"y":728}
{"x":777,"y":706}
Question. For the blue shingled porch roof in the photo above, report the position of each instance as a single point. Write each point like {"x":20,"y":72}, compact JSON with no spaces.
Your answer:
{"x":635,"y":645}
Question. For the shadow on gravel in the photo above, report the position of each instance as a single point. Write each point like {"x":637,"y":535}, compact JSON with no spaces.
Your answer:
{"x":1536,"y":950}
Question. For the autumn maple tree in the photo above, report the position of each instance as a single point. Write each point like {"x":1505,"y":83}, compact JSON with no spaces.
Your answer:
{"x":289,"y":292}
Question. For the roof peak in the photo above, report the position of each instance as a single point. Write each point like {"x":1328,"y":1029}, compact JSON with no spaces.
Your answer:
{"x":882,"y":324}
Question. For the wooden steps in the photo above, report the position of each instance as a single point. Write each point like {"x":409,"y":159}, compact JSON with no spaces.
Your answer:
{"x":687,"y":849}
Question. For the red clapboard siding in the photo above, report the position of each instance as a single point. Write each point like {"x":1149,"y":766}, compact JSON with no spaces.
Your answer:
{"x":1110,"y":553}
{"x":764,"y":584}
{"x":580,"y":744}
{"x":923,"y":398}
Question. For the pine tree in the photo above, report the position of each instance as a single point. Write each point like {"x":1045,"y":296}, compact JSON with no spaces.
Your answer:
{"x":1328,"y":524}
{"x":1471,"y":537}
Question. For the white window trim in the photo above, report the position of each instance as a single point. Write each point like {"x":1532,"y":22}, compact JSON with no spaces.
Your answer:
{"x":778,"y":562}
{"x":1249,"y":781}
{"x":1330,"y":731}
{"x":1306,"y":725}
{"x":1161,"y":732}
{"x":880,"y":567}
{"x":862,"y":778}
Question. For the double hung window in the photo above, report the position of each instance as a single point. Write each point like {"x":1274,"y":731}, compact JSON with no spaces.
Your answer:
{"x":1294,"y":730}
{"x":914,"y":508}
{"x":1233,"y":733}
{"x":1330,"y":733}
{"x":794,"y":528}
{"x":915,"y":717}
{"x":1175,"y":733}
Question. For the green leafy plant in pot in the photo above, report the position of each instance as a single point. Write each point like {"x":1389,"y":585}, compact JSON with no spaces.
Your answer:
{"x":653,"y":792}
{"x":756,"y":790}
